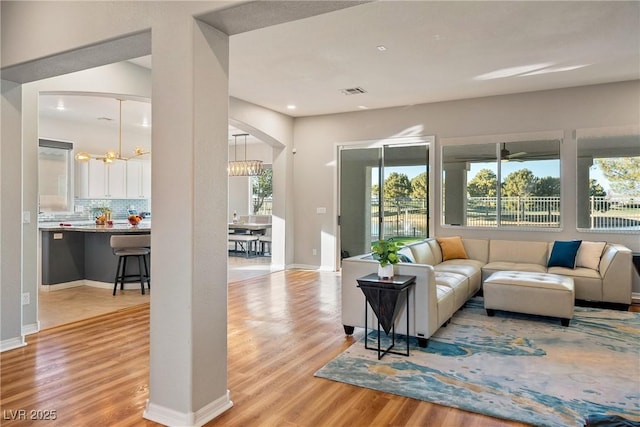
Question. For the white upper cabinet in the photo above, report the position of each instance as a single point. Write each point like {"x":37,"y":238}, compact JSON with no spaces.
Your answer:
{"x":139,"y":179}
{"x":119,"y":180}
{"x":116,"y":179}
{"x":96,"y":180}
{"x":81,"y":177}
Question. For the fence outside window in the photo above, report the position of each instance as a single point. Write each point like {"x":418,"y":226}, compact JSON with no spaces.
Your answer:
{"x":409,"y":218}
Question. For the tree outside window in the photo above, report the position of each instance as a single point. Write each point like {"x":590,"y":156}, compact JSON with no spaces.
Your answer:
{"x":262,"y":192}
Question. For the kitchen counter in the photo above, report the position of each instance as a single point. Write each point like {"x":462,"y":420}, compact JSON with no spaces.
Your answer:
{"x":81,"y":250}
{"x":92,"y":227}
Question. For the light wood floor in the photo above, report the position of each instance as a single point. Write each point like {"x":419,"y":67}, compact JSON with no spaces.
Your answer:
{"x":282,"y":328}
{"x":56,"y":308}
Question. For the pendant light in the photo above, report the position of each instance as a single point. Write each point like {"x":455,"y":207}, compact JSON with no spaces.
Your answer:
{"x":243,"y":167}
{"x":111,"y":156}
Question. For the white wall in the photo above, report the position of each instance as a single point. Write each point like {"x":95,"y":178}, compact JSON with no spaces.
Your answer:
{"x":564,"y":110}
{"x":10,"y":216}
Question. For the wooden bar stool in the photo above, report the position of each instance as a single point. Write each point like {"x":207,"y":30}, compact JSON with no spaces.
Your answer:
{"x":131,"y":245}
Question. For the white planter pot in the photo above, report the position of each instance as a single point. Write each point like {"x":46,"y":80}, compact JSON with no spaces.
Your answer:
{"x":385,"y":272}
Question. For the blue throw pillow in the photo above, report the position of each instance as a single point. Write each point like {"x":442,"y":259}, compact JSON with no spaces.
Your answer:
{"x":404,"y":258}
{"x":564,"y":254}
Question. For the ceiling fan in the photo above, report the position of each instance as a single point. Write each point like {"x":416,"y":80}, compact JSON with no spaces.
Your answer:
{"x":505,"y":154}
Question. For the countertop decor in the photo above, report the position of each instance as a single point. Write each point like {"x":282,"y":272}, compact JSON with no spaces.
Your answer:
{"x":91,"y":227}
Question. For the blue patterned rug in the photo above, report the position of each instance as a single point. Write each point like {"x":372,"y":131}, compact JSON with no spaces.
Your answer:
{"x":513,"y":366}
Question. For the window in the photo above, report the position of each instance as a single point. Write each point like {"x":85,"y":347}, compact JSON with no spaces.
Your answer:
{"x":262,"y":192}
{"x":522,"y":189}
{"x":383,"y":190}
{"x":608,"y":179}
{"x":54,"y":176}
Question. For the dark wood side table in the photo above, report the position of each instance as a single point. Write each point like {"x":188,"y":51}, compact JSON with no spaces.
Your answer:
{"x":386,"y":296}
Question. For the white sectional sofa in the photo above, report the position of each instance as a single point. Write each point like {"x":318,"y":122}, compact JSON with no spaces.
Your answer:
{"x":443,"y":287}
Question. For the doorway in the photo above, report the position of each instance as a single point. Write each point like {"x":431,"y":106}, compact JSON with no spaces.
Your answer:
{"x":383,"y":193}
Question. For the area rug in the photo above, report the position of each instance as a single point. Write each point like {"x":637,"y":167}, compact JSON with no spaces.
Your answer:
{"x":512,"y":366}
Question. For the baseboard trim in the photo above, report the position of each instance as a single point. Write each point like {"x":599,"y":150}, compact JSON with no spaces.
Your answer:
{"x":86,"y":282}
{"x":12,"y":343}
{"x":170,"y":417}
{"x":635,"y":297}
{"x":302,"y":267}
{"x":31,"y":328}
{"x":310,"y":267}
{"x":213,"y":409}
{"x":60,"y":286}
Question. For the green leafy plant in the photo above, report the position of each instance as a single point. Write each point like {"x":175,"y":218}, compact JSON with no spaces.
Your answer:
{"x":386,"y":252}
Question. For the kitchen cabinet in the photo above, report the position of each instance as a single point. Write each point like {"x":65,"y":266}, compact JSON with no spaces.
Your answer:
{"x":96,"y":180}
{"x":64,"y":260}
{"x":138,"y":179}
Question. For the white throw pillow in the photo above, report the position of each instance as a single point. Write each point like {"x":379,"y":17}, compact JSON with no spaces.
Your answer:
{"x":589,"y":254}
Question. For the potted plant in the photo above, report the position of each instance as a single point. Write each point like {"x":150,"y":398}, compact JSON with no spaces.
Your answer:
{"x":386,"y":252}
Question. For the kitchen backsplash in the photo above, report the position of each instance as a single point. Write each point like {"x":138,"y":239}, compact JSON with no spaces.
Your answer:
{"x":90,"y":208}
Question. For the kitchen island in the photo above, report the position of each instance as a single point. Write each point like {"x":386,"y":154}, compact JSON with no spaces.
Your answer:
{"x":81,"y":251}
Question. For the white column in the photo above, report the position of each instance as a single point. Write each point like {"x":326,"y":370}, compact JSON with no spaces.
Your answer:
{"x":583,"y":201}
{"x":188,"y":366}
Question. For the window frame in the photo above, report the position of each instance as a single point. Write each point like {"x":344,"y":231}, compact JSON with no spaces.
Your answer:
{"x":68,"y":147}
{"x":497,"y":140}
{"x":632,"y":131}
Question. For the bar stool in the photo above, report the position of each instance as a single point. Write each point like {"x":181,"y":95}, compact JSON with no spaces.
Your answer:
{"x":125,"y":246}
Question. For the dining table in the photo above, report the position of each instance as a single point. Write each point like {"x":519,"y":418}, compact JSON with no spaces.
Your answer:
{"x":248,"y":227}
{"x":246,"y":236}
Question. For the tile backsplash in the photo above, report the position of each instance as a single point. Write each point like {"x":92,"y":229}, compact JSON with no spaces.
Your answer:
{"x":88,"y":209}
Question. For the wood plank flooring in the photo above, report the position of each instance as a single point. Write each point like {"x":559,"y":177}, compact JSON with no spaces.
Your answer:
{"x":62,"y":306}
{"x":282,"y":328}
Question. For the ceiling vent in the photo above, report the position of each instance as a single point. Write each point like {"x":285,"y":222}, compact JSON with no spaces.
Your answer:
{"x":353,"y":91}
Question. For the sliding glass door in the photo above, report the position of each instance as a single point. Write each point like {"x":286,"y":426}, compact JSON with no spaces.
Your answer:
{"x":384,"y":193}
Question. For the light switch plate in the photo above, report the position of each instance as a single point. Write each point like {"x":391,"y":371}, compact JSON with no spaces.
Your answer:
{"x":26,"y":217}
{"x":321,"y":210}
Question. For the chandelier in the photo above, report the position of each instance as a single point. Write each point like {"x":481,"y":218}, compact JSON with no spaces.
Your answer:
{"x":110,"y":156}
{"x":243,"y":167}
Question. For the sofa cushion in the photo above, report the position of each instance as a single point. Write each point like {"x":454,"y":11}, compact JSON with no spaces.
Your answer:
{"x":457,"y":282}
{"x":423,"y":253}
{"x":575,"y":272}
{"x":477,"y":249}
{"x":518,"y":252}
{"x":467,"y":268}
{"x":564,"y":253}
{"x":446,"y":301}
{"x":452,"y":248}
{"x":492,"y":267}
{"x":589,"y":254}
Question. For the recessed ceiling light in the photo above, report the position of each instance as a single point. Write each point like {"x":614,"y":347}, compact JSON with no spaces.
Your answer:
{"x":291,"y":107}
{"x":363,"y":107}
{"x":60,"y":106}
{"x":381,"y":48}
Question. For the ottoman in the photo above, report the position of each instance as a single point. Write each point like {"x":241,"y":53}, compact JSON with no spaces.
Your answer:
{"x":541,"y":294}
